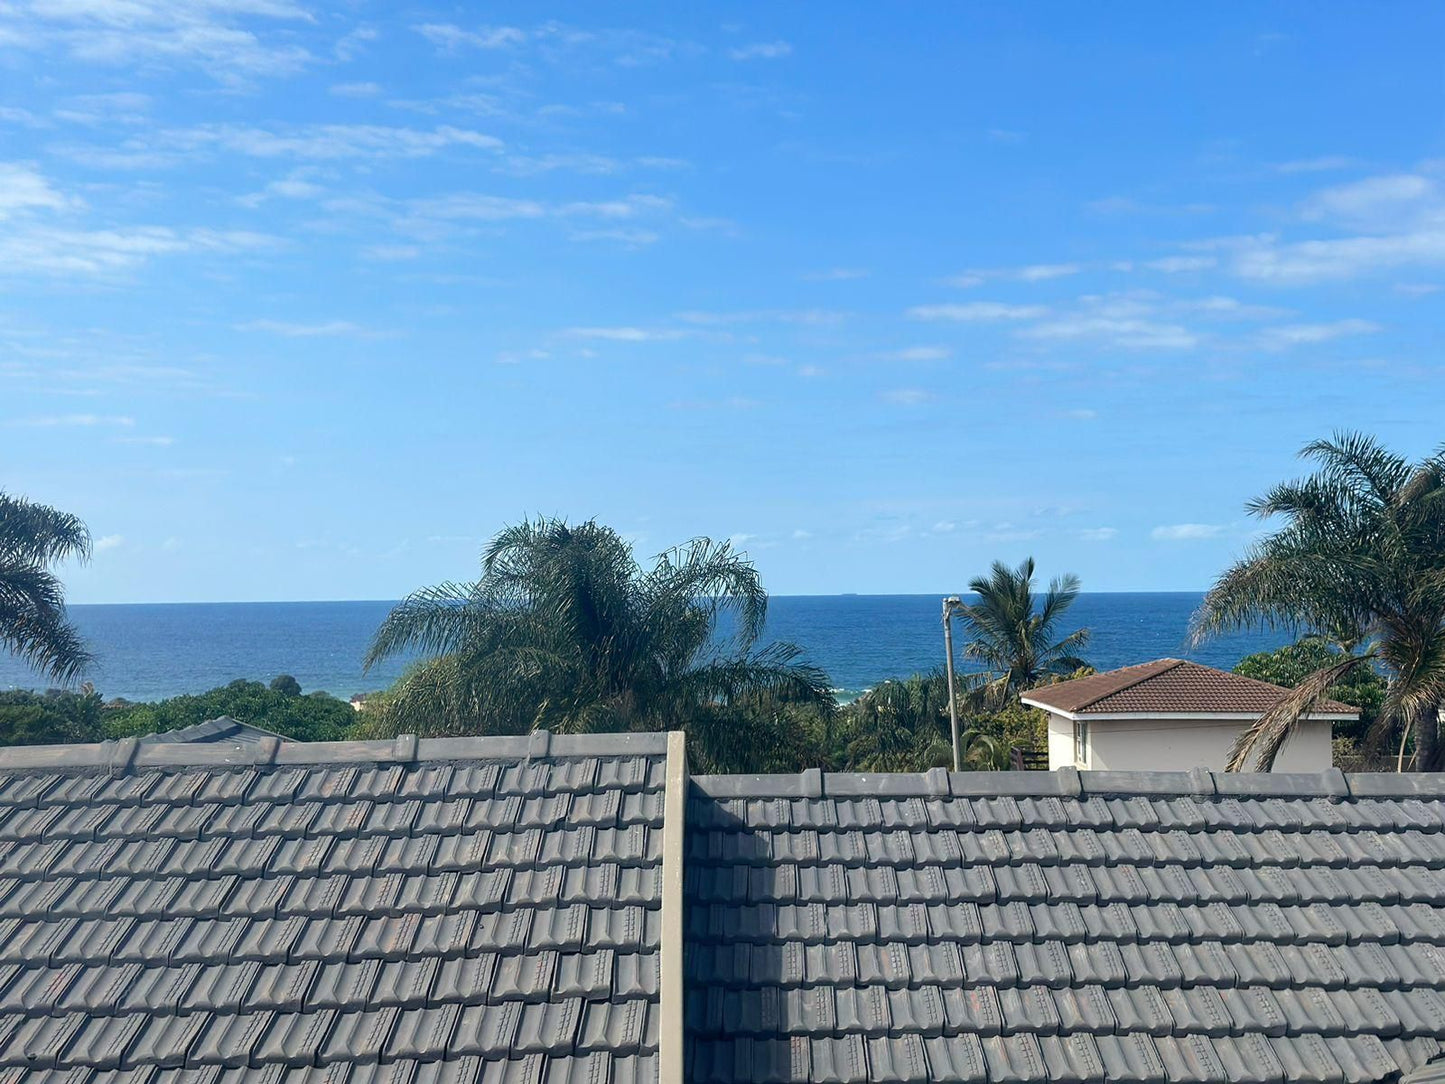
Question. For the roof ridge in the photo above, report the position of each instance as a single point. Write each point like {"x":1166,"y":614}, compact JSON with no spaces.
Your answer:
{"x":131,"y":753}
{"x":1072,"y":783}
{"x":1173,"y":664}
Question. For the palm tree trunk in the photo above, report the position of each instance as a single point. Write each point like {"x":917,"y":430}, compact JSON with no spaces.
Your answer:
{"x":1427,"y":740}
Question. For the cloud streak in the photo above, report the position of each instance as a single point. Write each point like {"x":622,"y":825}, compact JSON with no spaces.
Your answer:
{"x":1186,"y":532}
{"x":976,"y":311}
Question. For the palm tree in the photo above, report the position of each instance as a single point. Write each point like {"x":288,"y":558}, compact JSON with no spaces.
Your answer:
{"x":565,"y":630}
{"x":1014,"y":635}
{"x":33,"y":624}
{"x":1361,"y":559}
{"x":898,"y":726}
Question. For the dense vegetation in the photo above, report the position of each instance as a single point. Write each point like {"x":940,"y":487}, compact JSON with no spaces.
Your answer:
{"x":314,"y":717}
{"x":29,"y":718}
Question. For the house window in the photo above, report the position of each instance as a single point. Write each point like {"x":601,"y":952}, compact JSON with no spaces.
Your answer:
{"x":1081,"y":743}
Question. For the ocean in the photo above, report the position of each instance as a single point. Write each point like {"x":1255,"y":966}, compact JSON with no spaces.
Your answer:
{"x":149,"y":652}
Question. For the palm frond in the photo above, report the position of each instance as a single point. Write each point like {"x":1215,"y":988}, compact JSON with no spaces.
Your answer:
{"x":436,"y":620}
{"x":1264,"y":738}
{"x":33,"y":534}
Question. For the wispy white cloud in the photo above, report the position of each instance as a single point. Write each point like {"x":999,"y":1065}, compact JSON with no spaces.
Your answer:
{"x":391,"y":253}
{"x":762,"y":50}
{"x":1304,"y":334}
{"x":326,"y":141}
{"x":355,"y":90}
{"x":1374,"y":202}
{"x":916,"y":353}
{"x":1036,"y":272}
{"x":451,"y":37}
{"x":23,"y":188}
{"x":81,"y":421}
{"x":907,"y":396}
{"x":558,"y":43}
{"x":973,"y":311}
{"x":1131,"y":332}
{"x":154,"y":442}
{"x":1098,"y":534}
{"x":294,"y":186}
{"x":1041,"y":272}
{"x":808,"y":317}
{"x":1328,"y":163}
{"x":1267,"y":259}
{"x":627,"y":334}
{"x":291,"y":330}
{"x":231,"y":40}
{"x":1174,"y":265}
{"x":109,"y":542}
{"x":615,"y":220}
{"x":1127,"y":321}
{"x":1186,"y":532}
{"x":1382,"y":223}
{"x":622,"y":235}
{"x":53,"y":250}
{"x":836,"y":274}
{"x":521,"y":165}
{"x":117,"y":107}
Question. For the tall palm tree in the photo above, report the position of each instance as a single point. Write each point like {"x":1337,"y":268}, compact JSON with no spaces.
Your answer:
{"x":565,"y":630}
{"x":1013,"y":634}
{"x":33,"y":624}
{"x":1361,"y":559}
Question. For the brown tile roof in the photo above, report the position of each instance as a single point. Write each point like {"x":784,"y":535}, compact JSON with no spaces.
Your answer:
{"x":1168,"y":686}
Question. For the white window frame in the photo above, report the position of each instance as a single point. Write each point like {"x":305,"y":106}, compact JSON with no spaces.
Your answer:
{"x":1081,"y":742}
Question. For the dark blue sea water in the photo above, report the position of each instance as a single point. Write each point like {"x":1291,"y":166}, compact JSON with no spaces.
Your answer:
{"x":154,"y":651}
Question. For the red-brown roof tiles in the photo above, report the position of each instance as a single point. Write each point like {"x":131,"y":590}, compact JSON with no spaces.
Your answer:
{"x":1168,"y":686}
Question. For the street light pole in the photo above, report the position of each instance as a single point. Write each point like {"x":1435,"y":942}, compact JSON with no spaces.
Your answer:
{"x":949,"y":604}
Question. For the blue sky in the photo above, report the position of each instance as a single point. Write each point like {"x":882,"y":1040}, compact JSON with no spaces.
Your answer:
{"x":303,"y":302}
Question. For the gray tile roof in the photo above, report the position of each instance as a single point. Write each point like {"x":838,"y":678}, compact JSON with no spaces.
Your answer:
{"x":509,"y":911}
{"x":220,"y":729}
{"x":477,"y":911}
{"x":1016,"y":928}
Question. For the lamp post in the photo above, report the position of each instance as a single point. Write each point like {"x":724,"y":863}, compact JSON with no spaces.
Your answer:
{"x":950,"y":605}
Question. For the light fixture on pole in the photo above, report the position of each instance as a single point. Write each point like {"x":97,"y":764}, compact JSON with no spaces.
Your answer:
{"x":951,"y":605}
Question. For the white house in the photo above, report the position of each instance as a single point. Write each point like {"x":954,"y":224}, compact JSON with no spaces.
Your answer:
{"x":1172,"y":715}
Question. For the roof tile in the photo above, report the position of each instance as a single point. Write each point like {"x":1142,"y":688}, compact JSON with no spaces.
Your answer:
{"x":1168,"y":686}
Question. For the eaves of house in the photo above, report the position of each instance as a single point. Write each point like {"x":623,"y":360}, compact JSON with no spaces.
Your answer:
{"x":576,"y":910}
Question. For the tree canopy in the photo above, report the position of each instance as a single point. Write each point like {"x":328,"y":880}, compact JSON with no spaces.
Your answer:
{"x":304,"y":718}
{"x":1360,"y":557}
{"x":1014,"y":635}
{"x":566,"y":630}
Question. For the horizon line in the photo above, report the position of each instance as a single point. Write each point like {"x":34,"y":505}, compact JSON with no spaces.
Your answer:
{"x":771,"y":596}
